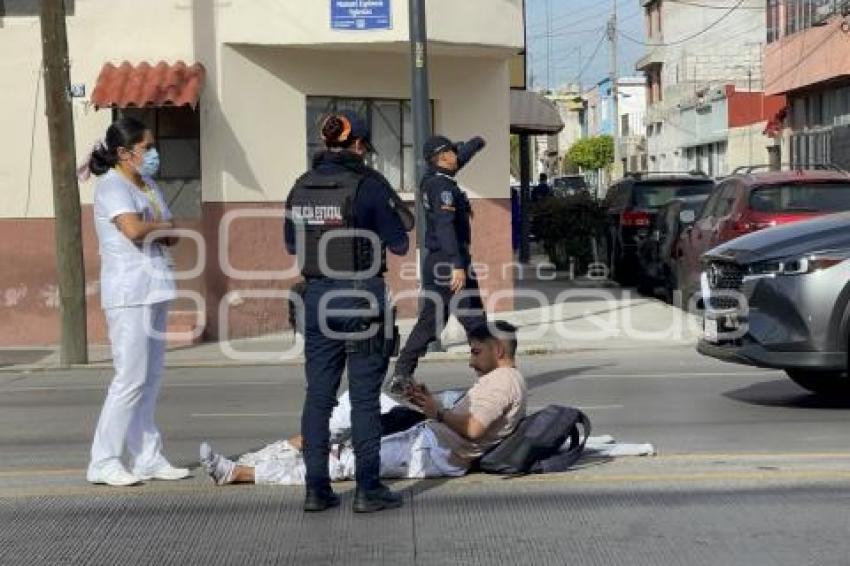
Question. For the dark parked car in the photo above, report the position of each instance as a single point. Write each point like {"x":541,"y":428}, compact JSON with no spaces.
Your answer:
{"x":793,"y":311}
{"x":746,"y":203}
{"x":631,"y":206}
{"x":569,"y":185}
{"x":655,"y":253}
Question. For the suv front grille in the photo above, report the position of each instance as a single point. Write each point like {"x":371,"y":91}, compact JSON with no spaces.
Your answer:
{"x":724,"y":276}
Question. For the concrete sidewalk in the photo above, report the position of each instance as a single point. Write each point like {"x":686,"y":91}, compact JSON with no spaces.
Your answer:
{"x":560,"y":315}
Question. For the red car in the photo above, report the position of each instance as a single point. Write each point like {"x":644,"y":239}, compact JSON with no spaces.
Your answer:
{"x":741,"y":204}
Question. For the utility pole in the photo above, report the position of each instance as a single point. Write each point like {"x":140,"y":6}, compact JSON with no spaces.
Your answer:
{"x":615,"y":95}
{"x":548,"y":46}
{"x":750,"y":97}
{"x":580,"y":65}
{"x":66,"y":192}
{"x":420,"y":107}
{"x":421,"y":110}
{"x":524,"y":197}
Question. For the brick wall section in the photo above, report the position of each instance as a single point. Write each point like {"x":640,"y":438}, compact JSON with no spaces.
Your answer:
{"x":29,"y":313}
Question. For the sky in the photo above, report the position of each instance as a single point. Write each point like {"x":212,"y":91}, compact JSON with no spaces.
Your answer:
{"x":576,"y":27}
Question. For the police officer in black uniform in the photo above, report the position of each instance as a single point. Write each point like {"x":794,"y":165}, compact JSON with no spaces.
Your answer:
{"x":448,"y":263}
{"x":335,"y":215}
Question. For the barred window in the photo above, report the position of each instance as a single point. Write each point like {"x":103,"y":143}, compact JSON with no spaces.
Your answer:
{"x":177,"y":131}
{"x":391,"y":124}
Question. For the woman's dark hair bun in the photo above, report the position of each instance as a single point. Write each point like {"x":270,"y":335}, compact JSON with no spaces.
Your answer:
{"x":102,"y":160}
{"x":332,"y":128}
{"x":124,"y":132}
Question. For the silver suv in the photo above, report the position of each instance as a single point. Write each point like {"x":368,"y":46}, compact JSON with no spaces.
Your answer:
{"x":780,"y":298}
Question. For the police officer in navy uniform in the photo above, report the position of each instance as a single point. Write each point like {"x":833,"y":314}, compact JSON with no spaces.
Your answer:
{"x":335,"y":215}
{"x":448,"y":264}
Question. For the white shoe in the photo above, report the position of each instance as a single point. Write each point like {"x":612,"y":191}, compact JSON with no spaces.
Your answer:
{"x":219,"y":468}
{"x":167,"y":472}
{"x":117,"y":477}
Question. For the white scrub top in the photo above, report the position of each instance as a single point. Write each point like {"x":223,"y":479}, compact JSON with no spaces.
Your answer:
{"x":130,"y":274}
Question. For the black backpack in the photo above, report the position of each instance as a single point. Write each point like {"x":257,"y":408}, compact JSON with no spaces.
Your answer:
{"x":535,"y":445}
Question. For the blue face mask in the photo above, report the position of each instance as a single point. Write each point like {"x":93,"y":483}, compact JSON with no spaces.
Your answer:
{"x":150,"y":163}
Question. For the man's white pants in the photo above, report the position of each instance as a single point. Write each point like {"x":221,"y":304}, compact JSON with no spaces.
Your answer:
{"x":413,"y":453}
{"x":128,"y":415}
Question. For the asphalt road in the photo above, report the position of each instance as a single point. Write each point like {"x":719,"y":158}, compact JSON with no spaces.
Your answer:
{"x":751,"y":470}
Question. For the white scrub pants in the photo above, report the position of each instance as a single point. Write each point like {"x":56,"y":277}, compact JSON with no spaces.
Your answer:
{"x":414,"y":453}
{"x":128,"y":415}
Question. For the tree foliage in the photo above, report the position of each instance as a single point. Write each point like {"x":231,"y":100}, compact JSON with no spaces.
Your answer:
{"x":592,"y":153}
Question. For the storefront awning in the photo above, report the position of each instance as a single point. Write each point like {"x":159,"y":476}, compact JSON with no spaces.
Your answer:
{"x":533,"y":114}
{"x":144,"y":85}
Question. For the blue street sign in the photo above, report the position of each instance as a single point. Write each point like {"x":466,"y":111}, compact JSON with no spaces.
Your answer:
{"x":361,"y":14}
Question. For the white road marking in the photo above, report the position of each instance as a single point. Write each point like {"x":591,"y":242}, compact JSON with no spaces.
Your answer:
{"x":103,"y":386}
{"x":676,"y":375}
{"x":243,"y":415}
{"x":580,"y":377}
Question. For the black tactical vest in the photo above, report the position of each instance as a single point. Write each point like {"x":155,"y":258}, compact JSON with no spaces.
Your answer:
{"x":322,"y":207}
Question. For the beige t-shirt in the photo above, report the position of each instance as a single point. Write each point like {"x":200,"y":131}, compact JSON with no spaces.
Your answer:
{"x":498,"y":402}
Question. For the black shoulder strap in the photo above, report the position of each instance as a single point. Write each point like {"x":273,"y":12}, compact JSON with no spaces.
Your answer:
{"x":562,"y":460}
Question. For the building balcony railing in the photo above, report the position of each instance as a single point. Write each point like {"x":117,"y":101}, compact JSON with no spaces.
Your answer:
{"x":788,"y":17}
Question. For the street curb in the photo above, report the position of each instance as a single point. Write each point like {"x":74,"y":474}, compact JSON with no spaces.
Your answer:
{"x":433,"y":357}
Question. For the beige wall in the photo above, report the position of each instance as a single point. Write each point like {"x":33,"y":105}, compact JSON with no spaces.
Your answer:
{"x":252,"y":93}
{"x":738,"y":146}
{"x":275,"y":22}
{"x":256,"y":143}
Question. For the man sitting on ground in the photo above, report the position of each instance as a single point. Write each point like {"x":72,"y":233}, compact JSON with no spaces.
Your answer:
{"x":433,"y":442}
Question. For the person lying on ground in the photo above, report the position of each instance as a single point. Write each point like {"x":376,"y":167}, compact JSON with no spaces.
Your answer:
{"x":433,"y":441}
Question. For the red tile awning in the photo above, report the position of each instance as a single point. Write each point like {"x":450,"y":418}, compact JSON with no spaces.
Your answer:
{"x":144,"y":85}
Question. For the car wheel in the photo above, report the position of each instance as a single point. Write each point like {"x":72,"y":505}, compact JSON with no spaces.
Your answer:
{"x":619,"y":268}
{"x":670,"y":287}
{"x":626,"y":268}
{"x":821,"y":382}
{"x":645,"y":285}
{"x":612,"y":258}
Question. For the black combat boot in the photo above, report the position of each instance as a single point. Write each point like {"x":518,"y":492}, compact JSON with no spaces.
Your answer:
{"x":378,"y":499}
{"x":320,"y":500}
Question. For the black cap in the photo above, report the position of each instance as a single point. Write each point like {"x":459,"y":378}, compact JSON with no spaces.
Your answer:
{"x":437,"y":144}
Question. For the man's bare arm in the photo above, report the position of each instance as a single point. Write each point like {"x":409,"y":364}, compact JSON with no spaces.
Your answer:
{"x":464,"y":424}
{"x":461,"y":422}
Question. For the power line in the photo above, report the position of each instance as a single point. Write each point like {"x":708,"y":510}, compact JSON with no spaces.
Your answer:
{"x":563,"y":17}
{"x":572,"y":23}
{"x":688,"y":38}
{"x":567,"y":32}
{"x":591,"y":58}
{"x":713,"y":6}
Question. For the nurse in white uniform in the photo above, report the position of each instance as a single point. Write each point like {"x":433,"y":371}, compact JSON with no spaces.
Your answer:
{"x":136,"y":286}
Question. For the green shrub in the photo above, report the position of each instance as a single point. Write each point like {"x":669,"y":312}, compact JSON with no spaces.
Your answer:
{"x":567,"y":228}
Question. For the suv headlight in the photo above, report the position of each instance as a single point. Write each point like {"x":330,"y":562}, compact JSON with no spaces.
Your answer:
{"x":799,"y":265}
